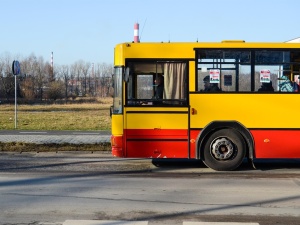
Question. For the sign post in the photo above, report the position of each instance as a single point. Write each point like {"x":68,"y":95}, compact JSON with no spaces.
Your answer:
{"x":16,"y":71}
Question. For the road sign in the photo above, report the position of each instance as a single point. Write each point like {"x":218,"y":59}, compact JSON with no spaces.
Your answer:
{"x":16,"y":69}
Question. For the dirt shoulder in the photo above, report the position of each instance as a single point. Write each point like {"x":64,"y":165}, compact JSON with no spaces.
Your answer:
{"x":32,"y":147}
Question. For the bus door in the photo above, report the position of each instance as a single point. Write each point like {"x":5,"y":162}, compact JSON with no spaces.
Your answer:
{"x":156,"y":111}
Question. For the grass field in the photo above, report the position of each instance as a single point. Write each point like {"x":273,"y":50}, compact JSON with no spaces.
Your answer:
{"x":84,"y":116}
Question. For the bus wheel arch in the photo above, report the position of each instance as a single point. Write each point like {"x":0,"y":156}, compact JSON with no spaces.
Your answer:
{"x":223,"y":145}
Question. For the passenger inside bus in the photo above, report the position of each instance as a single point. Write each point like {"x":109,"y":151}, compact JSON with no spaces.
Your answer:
{"x":210,"y":87}
{"x":285,"y":85}
{"x":266,"y":87}
{"x":159,"y":90}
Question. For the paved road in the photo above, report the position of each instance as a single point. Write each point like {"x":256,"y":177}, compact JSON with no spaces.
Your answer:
{"x":66,"y":188}
{"x":55,"y":137}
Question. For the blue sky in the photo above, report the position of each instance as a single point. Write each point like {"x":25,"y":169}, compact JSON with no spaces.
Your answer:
{"x":89,"y":29}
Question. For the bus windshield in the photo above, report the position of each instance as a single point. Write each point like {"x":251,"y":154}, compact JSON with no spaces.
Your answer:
{"x":117,"y":83}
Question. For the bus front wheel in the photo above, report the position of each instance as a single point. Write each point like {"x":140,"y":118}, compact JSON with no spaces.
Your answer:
{"x":224,"y":150}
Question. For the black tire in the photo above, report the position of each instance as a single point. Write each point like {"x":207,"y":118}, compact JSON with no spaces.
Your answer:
{"x":224,"y":150}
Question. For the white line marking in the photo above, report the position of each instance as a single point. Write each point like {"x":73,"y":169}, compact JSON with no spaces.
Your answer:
{"x":218,"y":223}
{"x":38,"y":132}
{"x":104,"y":222}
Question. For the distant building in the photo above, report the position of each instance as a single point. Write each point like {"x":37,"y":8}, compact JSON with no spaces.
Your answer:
{"x":296,"y":40}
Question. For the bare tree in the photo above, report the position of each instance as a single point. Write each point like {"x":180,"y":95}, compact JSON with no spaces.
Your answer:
{"x":27,"y":83}
{"x":7,"y":78}
{"x":37,"y":77}
{"x":55,"y":90}
{"x":65,"y":76}
{"x":40,"y":77}
{"x":34,"y":73}
{"x":85,"y":71}
{"x":104,"y":72}
{"x":73,"y":81}
{"x":1,"y":77}
{"x":50,"y":72}
{"x":77,"y":70}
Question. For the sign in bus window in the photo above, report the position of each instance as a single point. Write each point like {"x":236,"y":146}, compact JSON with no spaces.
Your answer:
{"x":267,"y":75}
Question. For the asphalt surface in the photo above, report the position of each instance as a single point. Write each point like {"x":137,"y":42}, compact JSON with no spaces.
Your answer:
{"x":55,"y":137}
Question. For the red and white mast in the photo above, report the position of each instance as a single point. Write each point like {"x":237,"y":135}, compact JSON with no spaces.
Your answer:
{"x":52,"y":60}
{"x":136,"y":38}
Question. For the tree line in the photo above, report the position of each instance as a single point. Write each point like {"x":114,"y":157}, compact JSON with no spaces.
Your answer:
{"x":39,"y":81}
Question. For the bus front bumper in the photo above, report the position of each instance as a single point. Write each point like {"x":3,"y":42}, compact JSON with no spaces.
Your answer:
{"x":117,"y":146}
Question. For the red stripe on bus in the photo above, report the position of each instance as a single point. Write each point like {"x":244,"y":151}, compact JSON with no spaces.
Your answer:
{"x":171,"y":143}
{"x":156,"y":143}
{"x":276,"y":143}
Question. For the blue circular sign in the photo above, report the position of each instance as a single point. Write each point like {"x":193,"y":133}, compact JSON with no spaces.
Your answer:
{"x":16,"y":69}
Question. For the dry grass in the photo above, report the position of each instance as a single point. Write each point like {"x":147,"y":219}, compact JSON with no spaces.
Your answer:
{"x":85,"y":116}
{"x":30,"y":147}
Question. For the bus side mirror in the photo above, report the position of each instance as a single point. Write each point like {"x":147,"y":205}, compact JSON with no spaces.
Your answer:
{"x":111,"y":108}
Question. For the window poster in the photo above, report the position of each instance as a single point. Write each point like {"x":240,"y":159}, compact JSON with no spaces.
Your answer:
{"x":265,"y":76}
{"x":214,"y":75}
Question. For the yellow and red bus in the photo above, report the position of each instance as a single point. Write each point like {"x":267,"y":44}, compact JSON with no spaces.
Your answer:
{"x":238,"y":120}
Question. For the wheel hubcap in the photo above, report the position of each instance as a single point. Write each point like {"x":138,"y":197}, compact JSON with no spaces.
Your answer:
{"x":222,"y":148}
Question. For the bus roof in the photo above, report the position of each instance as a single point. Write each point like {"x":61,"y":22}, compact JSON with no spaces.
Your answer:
{"x":185,"y":50}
